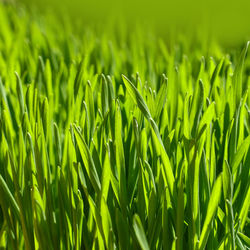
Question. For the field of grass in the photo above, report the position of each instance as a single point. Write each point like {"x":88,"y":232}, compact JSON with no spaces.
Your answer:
{"x":121,"y":140}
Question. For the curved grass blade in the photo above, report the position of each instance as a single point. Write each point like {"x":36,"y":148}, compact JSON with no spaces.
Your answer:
{"x":237,"y":158}
{"x":244,"y":238}
{"x":237,"y":76}
{"x":19,"y":90}
{"x":245,"y":209}
{"x":10,"y":199}
{"x":136,"y":96}
{"x":140,"y":233}
{"x":211,"y":210}
{"x":87,"y":160}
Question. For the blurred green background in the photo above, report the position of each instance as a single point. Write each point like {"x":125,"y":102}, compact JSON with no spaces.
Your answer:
{"x":227,"y":21}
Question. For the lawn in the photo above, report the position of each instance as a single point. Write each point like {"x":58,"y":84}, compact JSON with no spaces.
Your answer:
{"x":121,"y":139}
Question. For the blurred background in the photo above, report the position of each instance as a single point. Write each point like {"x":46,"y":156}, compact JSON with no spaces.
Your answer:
{"x":226,"y":20}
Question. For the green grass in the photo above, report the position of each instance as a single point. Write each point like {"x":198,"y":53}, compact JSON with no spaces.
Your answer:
{"x":119,"y":140}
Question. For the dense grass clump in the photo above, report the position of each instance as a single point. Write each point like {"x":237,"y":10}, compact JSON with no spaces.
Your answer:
{"x":114,"y":140}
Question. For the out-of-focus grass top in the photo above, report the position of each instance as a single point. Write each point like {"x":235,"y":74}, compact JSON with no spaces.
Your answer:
{"x":112,"y":138}
{"x":227,"y":20}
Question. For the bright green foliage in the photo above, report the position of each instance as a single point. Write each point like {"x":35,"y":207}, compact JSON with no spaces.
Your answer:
{"x":115,"y":141}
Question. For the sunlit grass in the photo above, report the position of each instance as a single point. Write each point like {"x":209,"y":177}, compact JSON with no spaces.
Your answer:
{"x":118,"y":141}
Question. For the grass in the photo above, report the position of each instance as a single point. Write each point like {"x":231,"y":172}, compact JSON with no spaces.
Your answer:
{"x":112,"y":140}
